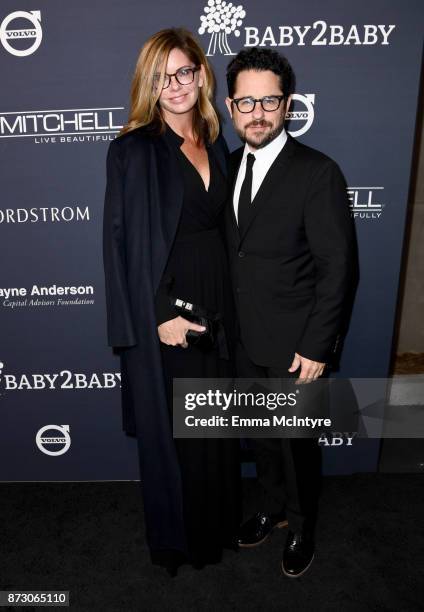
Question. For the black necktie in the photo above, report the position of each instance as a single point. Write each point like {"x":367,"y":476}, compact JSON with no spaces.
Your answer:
{"x":245,"y":198}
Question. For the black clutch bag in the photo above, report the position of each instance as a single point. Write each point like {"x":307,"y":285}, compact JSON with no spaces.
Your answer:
{"x":196,"y":314}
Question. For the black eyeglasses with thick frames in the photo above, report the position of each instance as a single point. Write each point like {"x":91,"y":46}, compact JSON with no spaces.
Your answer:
{"x":184,"y":76}
{"x":248,"y":104}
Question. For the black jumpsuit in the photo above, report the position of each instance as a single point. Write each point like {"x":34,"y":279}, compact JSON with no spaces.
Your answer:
{"x":197,"y":272}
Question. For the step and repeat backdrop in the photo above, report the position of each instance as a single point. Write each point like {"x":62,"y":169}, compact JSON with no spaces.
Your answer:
{"x":65,"y":74}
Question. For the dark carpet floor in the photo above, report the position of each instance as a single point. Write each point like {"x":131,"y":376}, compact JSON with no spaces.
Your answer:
{"x":88,"y":538}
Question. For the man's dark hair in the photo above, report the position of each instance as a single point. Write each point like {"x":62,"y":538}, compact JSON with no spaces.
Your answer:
{"x":261,"y":59}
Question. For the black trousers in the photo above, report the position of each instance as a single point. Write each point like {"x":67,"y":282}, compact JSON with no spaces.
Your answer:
{"x":288,"y":470}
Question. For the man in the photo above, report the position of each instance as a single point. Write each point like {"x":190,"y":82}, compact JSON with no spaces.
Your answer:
{"x":291,"y":246}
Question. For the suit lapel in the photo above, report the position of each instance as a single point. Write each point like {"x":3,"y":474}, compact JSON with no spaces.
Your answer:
{"x":235,"y":161}
{"x":167,"y":199}
{"x":271,"y":182}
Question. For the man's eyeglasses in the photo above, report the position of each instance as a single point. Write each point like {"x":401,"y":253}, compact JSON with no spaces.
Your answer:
{"x":184,"y":76}
{"x":268,"y":103}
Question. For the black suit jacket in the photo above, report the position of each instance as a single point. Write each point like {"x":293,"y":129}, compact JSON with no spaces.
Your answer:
{"x":294,"y":266}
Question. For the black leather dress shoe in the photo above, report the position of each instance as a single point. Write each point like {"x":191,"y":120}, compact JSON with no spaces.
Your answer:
{"x":298,"y":554}
{"x":256,"y":529}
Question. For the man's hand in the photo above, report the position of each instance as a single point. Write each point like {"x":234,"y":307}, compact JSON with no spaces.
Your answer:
{"x":173,"y":332}
{"x":309,"y":370}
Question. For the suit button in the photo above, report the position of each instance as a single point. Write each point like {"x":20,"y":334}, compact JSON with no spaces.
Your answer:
{"x":241,"y":254}
{"x":237,"y":289}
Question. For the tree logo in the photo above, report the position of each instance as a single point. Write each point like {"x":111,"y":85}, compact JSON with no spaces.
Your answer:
{"x":221,"y":18}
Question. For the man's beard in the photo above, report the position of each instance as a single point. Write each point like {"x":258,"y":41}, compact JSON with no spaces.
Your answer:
{"x":267,"y":138}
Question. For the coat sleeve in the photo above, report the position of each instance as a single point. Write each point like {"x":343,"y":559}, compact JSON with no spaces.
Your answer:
{"x":120,"y":327}
{"x":330,"y":234}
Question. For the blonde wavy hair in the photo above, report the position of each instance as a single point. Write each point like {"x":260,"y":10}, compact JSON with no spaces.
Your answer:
{"x":145,"y":109}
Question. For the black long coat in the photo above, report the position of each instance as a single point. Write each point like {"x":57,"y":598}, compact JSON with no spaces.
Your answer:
{"x":143,"y":203}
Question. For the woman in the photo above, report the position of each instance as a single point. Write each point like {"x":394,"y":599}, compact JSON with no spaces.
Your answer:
{"x":165,"y":195}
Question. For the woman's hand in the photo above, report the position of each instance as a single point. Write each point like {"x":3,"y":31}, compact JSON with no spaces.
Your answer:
{"x":173,"y":332}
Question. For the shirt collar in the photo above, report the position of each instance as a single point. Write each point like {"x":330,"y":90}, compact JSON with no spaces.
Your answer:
{"x":269,"y":151}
